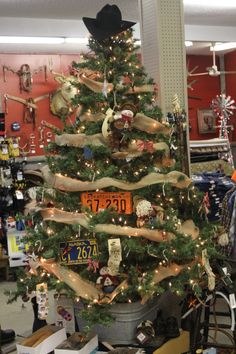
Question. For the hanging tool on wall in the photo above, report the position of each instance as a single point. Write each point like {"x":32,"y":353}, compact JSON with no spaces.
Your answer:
{"x":30,"y":107}
{"x":25,"y":75}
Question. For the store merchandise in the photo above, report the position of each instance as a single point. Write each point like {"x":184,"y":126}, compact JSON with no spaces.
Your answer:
{"x":216,"y":185}
{"x":42,"y":341}
{"x":6,"y":336}
{"x":78,"y":343}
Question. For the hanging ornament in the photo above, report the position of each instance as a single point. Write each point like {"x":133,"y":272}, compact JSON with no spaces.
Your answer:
{"x":124,"y":119}
{"x":88,"y":154}
{"x":105,"y":84}
{"x":205,"y":205}
{"x":145,"y":211}
{"x":208,"y":269}
{"x":176,"y":105}
{"x":143,"y":208}
{"x":106,"y":281}
{"x":42,"y":300}
{"x":164,"y":255}
{"x":115,"y":255}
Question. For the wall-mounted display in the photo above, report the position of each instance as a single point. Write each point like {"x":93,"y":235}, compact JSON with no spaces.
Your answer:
{"x":206,"y":121}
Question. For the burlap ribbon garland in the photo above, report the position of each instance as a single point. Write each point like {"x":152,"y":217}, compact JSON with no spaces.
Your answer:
{"x":81,"y":140}
{"x":149,"y":125}
{"x":176,"y":178}
{"x":82,"y":287}
{"x":53,"y":214}
{"x":97,"y":86}
{"x":87,"y":290}
{"x":163,"y":272}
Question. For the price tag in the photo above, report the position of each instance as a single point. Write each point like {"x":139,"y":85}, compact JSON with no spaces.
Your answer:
{"x":78,"y":252}
{"x":97,"y":201}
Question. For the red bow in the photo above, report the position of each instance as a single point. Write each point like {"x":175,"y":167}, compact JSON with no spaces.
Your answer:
{"x":93,"y":265}
{"x":145,"y":145}
{"x":126,"y":118}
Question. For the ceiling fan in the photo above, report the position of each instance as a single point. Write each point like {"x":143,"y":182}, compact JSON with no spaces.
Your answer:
{"x":212,"y":70}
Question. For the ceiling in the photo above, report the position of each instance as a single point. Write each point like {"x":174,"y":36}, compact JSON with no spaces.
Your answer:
{"x":205,"y":22}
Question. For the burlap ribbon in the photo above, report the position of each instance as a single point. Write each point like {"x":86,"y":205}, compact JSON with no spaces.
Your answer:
{"x":82,"y":287}
{"x":97,"y":86}
{"x":81,"y":140}
{"x":188,"y":227}
{"x":177,"y":179}
{"x":87,"y":290}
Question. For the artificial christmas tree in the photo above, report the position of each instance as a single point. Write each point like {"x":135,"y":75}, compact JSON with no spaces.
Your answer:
{"x":117,"y":222}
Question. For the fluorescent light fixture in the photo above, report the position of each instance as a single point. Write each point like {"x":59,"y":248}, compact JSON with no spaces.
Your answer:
{"x":223,"y":46}
{"x":210,"y":3}
{"x":31,"y":40}
{"x":45,"y":40}
{"x":71,"y":40}
{"x":188,"y":43}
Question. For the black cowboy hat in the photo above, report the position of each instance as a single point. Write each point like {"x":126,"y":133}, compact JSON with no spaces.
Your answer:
{"x":107,"y":23}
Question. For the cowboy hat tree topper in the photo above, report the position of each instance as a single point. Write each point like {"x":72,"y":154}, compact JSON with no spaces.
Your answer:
{"x":120,"y":224}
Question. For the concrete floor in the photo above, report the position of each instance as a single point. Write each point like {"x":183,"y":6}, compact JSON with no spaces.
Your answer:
{"x":19,"y":315}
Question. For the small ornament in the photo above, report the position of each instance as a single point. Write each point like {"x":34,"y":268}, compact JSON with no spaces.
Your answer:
{"x":205,"y":205}
{"x":208,"y":269}
{"x":222,"y":237}
{"x":64,"y":313}
{"x":176,"y":105}
{"x":105,"y":84}
{"x":106,"y":281}
{"x":88,"y":154}
{"x":143,"y":208}
{"x":42,"y":300}
{"x":124,"y":119}
{"x":147,"y":213}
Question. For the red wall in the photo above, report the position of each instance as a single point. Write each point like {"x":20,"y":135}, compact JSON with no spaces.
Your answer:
{"x":205,"y":89}
{"x":230,"y":82}
{"x":40,"y":87}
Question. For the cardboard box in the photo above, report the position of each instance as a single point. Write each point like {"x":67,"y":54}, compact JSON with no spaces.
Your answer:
{"x":57,"y":336}
{"x":69,"y":345}
{"x":176,"y":345}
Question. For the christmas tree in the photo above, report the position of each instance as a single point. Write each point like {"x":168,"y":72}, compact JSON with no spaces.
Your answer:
{"x":118,"y":221}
